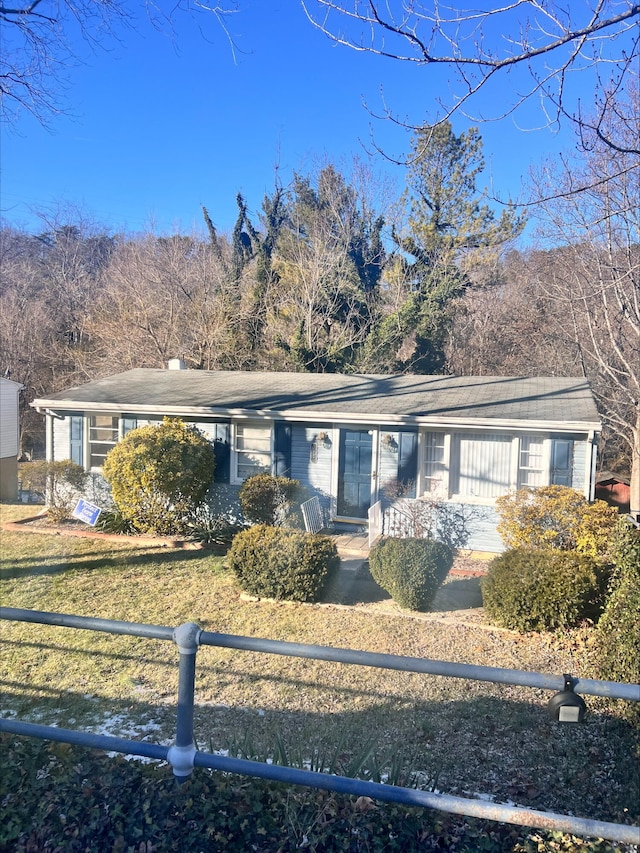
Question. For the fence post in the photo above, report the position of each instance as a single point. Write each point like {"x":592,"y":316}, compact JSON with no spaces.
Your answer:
{"x":180,"y":755}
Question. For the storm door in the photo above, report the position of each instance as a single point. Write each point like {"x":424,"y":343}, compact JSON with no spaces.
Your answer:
{"x":354,"y":473}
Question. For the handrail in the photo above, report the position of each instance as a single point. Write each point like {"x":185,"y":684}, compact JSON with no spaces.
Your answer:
{"x":474,"y":672}
{"x":183,"y":755}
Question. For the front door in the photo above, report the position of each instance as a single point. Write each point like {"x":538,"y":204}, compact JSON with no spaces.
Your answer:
{"x":561,"y":461}
{"x":354,"y":473}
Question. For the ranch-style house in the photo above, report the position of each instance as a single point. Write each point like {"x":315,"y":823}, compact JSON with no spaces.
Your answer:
{"x":354,"y":441}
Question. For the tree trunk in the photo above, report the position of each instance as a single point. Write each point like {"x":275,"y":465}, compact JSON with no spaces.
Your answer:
{"x":635,"y":472}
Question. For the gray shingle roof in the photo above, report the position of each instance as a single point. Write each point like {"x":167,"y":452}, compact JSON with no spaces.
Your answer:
{"x":408,"y":398}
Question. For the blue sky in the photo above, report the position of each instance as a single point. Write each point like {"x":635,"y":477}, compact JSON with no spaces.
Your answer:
{"x":160,"y":127}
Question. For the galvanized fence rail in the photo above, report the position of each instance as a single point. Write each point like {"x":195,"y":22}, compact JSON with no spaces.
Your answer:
{"x":184,"y":756}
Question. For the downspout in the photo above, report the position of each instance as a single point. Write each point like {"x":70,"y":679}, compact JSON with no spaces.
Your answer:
{"x":49,"y":436}
{"x":593,"y":441}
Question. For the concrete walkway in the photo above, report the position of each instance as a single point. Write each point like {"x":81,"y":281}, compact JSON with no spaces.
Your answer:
{"x":355,"y":586}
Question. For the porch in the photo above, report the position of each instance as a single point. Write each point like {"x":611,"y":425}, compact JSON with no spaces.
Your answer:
{"x":351,"y":544}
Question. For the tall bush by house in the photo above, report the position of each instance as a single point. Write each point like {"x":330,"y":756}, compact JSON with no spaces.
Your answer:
{"x":277,"y":562}
{"x":266,"y":499}
{"x":596,"y":530}
{"x":410,"y":570}
{"x":542,"y":590}
{"x":159,"y":475}
{"x":59,"y":482}
{"x":618,"y":631}
{"x":555,"y":517}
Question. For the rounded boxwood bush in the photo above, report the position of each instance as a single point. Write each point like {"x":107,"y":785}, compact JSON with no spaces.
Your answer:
{"x":542,"y":590}
{"x":277,"y":562}
{"x":557,"y":517}
{"x":266,"y":499}
{"x":410,"y":570}
{"x":159,"y":476}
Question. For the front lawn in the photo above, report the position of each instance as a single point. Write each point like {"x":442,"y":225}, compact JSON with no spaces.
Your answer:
{"x":459,"y":737}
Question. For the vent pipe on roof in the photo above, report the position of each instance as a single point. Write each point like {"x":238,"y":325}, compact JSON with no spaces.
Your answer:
{"x":176,"y":364}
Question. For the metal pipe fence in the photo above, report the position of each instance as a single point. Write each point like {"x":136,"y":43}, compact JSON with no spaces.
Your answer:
{"x":183,"y":755}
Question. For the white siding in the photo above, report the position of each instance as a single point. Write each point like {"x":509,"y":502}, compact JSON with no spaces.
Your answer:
{"x":581,"y":464}
{"x":483,"y":533}
{"x":311,"y":460}
{"x":9,"y":422}
{"x":140,"y":422}
{"x":61,"y":438}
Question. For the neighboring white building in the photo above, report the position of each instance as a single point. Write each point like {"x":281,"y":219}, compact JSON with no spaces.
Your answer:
{"x":9,"y":438}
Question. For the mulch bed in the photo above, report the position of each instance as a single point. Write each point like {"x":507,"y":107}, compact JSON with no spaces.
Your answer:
{"x":466,"y":565}
{"x":41,"y":524}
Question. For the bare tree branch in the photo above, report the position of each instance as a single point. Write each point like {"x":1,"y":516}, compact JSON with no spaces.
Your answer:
{"x":37,"y":38}
{"x":549,"y":43}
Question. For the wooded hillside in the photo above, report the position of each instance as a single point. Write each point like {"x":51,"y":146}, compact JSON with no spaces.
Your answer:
{"x":332,"y":275}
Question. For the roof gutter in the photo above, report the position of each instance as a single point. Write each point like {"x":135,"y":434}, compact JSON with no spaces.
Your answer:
{"x":323,"y":416}
{"x":42,"y":411}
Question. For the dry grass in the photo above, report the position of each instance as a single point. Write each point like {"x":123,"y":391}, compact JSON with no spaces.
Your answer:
{"x":461,"y":736}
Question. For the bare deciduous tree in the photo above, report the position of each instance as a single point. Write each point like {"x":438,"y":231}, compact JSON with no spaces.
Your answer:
{"x":38,"y":43}
{"x":542,"y":45}
{"x":593,"y":284}
{"x":503,"y":326}
{"x":156,"y":302}
{"x":46,"y":285}
{"x":329,"y":261}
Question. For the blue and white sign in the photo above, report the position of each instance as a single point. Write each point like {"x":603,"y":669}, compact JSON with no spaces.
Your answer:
{"x":86,"y":512}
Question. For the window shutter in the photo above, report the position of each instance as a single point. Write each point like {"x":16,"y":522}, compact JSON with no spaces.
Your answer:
{"x":408,"y":461}
{"x":281,"y":466}
{"x":222,"y":437}
{"x":76,"y":433}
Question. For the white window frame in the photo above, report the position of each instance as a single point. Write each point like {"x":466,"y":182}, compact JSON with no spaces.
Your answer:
{"x":517,"y":440}
{"x":442,"y":489}
{"x":237,"y":429}
{"x":542,"y":469}
{"x":90,"y":442}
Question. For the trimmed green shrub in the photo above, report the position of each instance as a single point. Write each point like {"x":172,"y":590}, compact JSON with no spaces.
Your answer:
{"x":410,"y":570}
{"x":542,"y":590}
{"x":159,"y":475}
{"x":276,"y":562}
{"x":60,"y":482}
{"x":556,"y":517}
{"x":266,"y":499}
{"x":618,"y":631}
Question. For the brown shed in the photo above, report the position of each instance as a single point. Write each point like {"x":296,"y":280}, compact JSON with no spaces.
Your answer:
{"x":613,"y":489}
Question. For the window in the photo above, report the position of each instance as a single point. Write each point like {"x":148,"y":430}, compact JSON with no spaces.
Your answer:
{"x":103,"y":435}
{"x":252,"y":450}
{"x":434,"y":461}
{"x":531,"y":462}
{"x":486,"y":466}
{"x":482,"y":465}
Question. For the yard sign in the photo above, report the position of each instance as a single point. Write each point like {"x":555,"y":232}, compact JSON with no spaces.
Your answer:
{"x":86,"y":512}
